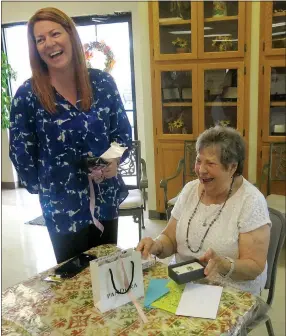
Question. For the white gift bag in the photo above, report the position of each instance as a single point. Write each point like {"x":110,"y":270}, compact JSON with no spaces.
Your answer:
{"x":116,"y":279}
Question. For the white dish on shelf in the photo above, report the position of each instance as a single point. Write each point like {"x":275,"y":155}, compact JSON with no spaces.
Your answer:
{"x":280,"y":128}
{"x":230,"y":92}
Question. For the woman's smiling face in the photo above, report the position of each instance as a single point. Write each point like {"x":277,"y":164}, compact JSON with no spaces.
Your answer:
{"x":211,"y":172}
{"x":53,"y":44}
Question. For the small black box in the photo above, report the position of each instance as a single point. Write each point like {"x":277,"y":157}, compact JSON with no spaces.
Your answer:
{"x":186,"y":271}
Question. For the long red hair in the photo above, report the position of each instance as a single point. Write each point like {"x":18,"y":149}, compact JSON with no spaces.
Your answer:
{"x":40,"y":75}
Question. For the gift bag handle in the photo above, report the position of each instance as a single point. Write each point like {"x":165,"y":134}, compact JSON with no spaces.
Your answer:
{"x":113,"y":284}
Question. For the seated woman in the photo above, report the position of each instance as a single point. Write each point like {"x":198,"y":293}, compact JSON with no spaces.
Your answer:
{"x":220,"y":218}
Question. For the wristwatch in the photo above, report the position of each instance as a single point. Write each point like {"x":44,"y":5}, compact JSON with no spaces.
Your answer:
{"x":229,"y":273}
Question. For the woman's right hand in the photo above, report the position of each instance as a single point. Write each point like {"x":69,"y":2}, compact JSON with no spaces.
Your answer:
{"x":147,"y":246}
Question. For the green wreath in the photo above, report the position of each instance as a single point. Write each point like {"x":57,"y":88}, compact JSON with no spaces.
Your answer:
{"x":102,"y":47}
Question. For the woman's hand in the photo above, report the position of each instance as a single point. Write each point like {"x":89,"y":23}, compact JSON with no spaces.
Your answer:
{"x":147,"y":246}
{"x":215,"y":264}
{"x":110,"y":170}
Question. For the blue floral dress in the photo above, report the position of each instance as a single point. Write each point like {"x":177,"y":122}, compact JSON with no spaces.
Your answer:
{"x":47,"y":151}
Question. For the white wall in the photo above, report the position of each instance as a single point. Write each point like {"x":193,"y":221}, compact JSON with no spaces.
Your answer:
{"x":8,"y":173}
{"x":22,"y":11}
{"x":254,"y":86}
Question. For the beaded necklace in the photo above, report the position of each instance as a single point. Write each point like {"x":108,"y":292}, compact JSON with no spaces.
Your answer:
{"x":212,"y":222}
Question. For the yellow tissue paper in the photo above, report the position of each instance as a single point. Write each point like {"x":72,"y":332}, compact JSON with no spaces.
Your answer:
{"x":170,"y":301}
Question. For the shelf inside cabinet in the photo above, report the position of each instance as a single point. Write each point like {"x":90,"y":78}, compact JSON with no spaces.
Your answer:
{"x":172,"y":22}
{"x":278,"y":103}
{"x":222,"y":18}
{"x":220,"y":103}
{"x":279,"y":14}
{"x":177,"y":104}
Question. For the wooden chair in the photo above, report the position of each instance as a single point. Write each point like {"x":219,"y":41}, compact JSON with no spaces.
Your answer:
{"x":133,"y":172}
{"x":185,"y":165}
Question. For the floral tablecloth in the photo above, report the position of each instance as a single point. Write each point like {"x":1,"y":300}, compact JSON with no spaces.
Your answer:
{"x":37,"y":307}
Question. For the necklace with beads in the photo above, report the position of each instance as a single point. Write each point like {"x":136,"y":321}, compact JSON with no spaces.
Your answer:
{"x":211,"y":223}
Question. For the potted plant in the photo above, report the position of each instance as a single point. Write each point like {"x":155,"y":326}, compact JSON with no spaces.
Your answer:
{"x":223,"y":43}
{"x":6,"y":74}
{"x":8,"y":172}
{"x":219,"y":8}
{"x":181,"y":45}
{"x":180,"y":9}
{"x":176,"y":126}
{"x":224,"y":123}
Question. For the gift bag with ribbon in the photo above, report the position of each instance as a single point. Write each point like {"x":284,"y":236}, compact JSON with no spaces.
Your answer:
{"x":117,"y":280}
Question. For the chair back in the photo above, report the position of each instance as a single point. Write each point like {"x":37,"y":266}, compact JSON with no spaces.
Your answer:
{"x":277,"y":164}
{"x":130,"y":169}
{"x":277,"y":237}
{"x":189,"y":161}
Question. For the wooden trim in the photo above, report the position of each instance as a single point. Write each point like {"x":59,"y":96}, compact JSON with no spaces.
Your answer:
{"x":223,"y":18}
{"x":278,"y":103}
{"x":247,"y":60}
{"x":174,"y":22}
{"x":153,"y":90}
{"x":10,"y":185}
{"x":177,"y":104}
{"x":260,"y":93}
{"x":220,"y":104}
{"x":283,"y":14}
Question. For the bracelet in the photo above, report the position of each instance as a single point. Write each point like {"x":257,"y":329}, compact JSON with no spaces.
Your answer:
{"x":232,"y":264}
{"x":161,"y":247}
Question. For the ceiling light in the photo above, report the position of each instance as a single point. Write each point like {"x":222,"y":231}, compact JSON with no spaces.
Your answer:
{"x":235,"y":40}
{"x":215,"y":35}
{"x":279,"y":24}
{"x":279,"y":33}
{"x":180,"y":32}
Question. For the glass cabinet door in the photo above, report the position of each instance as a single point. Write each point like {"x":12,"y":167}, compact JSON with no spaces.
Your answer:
{"x":221,"y":89}
{"x":177,"y":101}
{"x":174,"y":29}
{"x":275,"y":30}
{"x":221,"y":28}
{"x":275,"y":101}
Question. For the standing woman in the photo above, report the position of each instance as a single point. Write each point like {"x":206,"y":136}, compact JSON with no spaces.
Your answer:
{"x":59,"y":117}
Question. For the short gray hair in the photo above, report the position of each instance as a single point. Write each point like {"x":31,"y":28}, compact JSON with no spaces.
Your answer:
{"x":230,"y":143}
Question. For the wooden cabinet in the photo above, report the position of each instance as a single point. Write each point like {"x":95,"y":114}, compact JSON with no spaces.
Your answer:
{"x":199,"y":64}
{"x":272,"y":79}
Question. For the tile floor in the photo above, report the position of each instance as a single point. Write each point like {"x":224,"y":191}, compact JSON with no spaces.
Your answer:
{"x":27,"y":250}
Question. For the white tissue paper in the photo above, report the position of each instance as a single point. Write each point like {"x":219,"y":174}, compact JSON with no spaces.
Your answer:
{"x":115,"y":151}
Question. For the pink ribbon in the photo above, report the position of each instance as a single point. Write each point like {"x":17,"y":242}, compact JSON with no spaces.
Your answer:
{"x":92,"y":204}
{"x":132,"y":297}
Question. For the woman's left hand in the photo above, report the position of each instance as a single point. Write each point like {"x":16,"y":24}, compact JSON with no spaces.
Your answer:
{"x":110,"y":170}
{"x":215,"y":263}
